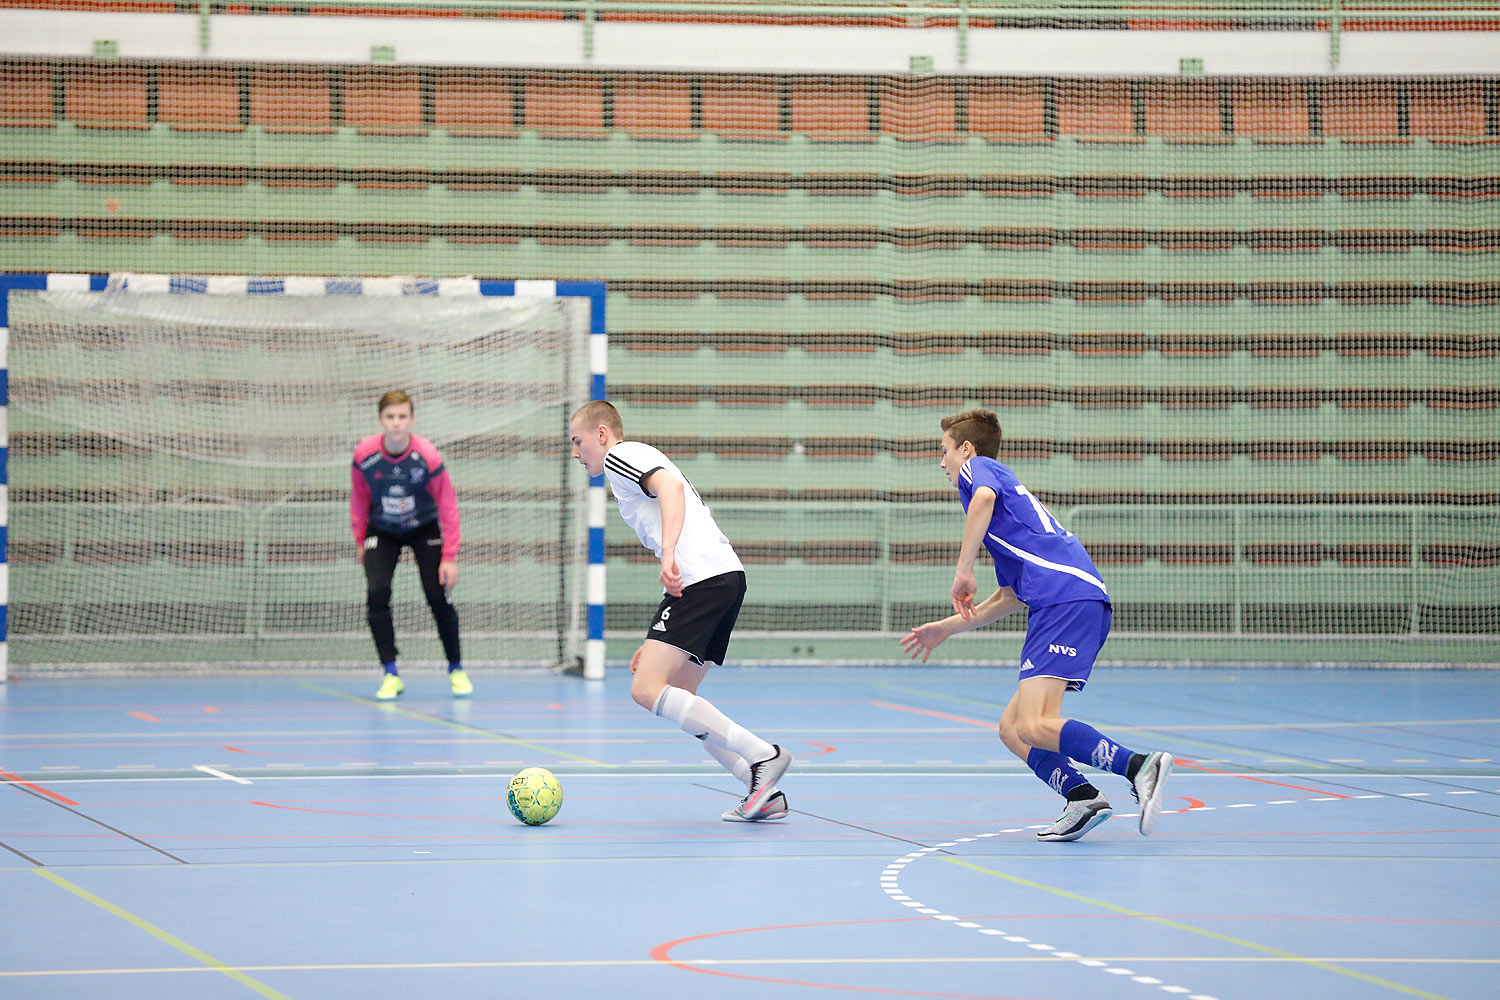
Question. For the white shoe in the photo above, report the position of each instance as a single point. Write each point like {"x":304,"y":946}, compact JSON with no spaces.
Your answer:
{"x":1077,"y":819}
{"x":1146,"y":786}
{"x":763,"y":777}
{"x":775,"y":807}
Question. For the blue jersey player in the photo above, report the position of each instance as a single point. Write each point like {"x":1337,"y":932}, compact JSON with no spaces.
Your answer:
{"x":1042,"y":566}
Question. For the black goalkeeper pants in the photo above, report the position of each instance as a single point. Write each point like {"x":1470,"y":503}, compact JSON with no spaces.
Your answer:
{"x":426,"y":544}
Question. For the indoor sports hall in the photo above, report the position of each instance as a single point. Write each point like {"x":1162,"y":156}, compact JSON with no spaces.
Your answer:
{"x":1225,"y":273}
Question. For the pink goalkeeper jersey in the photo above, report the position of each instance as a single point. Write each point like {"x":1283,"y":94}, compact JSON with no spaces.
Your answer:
{"x":397,"y":494}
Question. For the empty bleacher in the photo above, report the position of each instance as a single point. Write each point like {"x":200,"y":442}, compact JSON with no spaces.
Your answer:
{"x":1236,"y":330}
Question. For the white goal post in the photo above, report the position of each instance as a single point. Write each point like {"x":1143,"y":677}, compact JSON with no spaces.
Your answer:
{"x":176,"y":467}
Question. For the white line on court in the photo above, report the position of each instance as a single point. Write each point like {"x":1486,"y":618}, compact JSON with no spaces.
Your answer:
{"x":220,"y":774}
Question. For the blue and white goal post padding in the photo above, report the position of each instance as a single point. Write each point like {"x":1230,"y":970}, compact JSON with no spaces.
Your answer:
{"x":592,"y":291}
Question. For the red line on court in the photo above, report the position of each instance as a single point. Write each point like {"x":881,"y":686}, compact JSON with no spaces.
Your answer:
{"x":935,"y":715}
{"x":336,"y":812}
{"x":1264,"y":781}
{"x":210,"y":710}
{"x":37,"y":788}
{"x":143,"y":715}
{"x":822,"y":749}
{"x":662,"y":953}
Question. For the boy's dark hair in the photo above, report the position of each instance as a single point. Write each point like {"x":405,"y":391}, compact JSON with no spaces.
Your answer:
{"x":395,"y":398}
{"x":981,"y":428}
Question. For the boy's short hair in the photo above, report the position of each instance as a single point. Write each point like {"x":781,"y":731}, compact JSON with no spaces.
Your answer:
{"x":600,"y":411}
{"x":395,"y":398}
{"x":981,"y":428}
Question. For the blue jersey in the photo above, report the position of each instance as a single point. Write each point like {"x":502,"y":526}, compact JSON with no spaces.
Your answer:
{"x":1034,"y":555}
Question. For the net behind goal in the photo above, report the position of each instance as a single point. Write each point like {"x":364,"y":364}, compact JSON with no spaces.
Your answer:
{"x":180,"y":452}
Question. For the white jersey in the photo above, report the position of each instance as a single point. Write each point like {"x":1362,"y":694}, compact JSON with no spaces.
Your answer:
{"x":702,"y":549}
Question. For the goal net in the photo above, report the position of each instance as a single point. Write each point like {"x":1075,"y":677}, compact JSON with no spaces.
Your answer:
{"x":180,"y":469}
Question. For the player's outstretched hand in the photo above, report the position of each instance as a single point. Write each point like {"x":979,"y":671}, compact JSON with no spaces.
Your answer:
{"x":964,"y":589}
{"x":924,"y":639}
{"x":671,"y":576}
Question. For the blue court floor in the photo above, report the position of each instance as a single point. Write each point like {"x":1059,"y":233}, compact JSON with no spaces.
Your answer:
{"x":1332,"y":833}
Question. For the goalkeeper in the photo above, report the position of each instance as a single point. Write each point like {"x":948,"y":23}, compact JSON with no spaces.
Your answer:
{"x":402,"y":497}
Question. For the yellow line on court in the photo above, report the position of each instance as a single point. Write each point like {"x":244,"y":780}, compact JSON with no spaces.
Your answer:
{"x":629,"y":962}
{"x":208,"y":960}
{"x":1177,"y":925}
{"x":454,"y":725}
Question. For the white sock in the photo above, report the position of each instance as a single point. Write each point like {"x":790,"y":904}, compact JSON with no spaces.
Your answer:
{"x":733,"y":762}
{"x":700,"y":719}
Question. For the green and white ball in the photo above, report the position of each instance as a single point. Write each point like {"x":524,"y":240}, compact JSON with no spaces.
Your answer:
{"x":534,"y":795}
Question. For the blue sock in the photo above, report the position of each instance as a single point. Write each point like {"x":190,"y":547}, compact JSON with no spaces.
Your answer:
{"x":1082,"y":742}
{"x":1056,"y":770}
{"x":455,"y":666}
{"x":390,"y":668}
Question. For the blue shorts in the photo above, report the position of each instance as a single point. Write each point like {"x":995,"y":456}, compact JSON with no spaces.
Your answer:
{"x":1063,"y":640}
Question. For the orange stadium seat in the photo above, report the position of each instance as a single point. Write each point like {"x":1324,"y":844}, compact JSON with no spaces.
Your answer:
{"x":832,"y":109}
{"x":194,"y":98}
{"x":1007,"y":110}
{"x":836,"y":109}
{"x":742,"y":107}
{"x":383,"y":101}
{"x":566,"y":105}
{"x":1096,"y":110}
{"x":654,"y":106}
{"x":1361,"y":111}
{"x":291,"y":99}
{"x":923,"y":110}
{"x":469,"y":102}
{"x":1273,"y":111}
{"x":25,"y":95}
{"x":1185,"y":111}
{"x":1450,"y":111}
{"x":112,"y":96}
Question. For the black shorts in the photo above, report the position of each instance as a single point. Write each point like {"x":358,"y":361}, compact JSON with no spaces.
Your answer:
{"x":699,"y":622}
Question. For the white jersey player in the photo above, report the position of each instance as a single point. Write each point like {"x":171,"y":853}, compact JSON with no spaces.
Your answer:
{"x":704,"y":583}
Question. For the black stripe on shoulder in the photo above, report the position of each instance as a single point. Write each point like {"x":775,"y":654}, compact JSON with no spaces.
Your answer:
{"x":622,"y":468}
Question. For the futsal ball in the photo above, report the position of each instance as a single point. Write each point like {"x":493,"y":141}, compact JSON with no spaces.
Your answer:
{"x":534,"y":796}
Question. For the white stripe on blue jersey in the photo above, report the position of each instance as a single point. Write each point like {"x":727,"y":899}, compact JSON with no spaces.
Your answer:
{"x":1034,"y":555}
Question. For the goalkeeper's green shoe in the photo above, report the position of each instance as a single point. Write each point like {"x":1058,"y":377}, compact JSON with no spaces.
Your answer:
{"x":390,"y":686}
{"x":460,"y":683}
